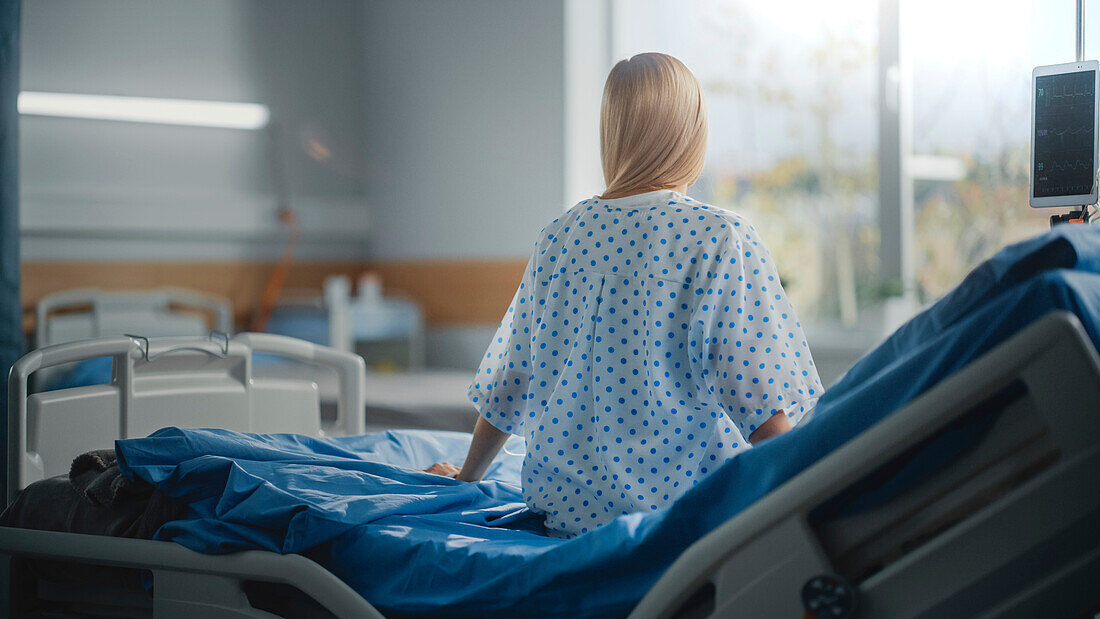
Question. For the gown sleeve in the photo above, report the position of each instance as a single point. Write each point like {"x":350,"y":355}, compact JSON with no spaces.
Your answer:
{"x":749,"y":350}
{"x":499,"y":391}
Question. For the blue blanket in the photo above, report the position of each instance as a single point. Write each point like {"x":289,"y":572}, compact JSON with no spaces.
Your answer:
{"x":413,"y":543}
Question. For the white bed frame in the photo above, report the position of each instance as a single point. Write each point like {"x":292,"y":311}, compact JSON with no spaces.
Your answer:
{"x":171,"y":381}
{"x":152,"y":313}
{"x":88,"y":313}
{"x":1009,"y":529}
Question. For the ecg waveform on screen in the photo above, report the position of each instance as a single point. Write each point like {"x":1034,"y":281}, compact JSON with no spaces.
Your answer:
{"x":1065,"y":91}
{"x":1064,"y":136}
{"x":1059,"y":166}
{"x":1082,"y":130}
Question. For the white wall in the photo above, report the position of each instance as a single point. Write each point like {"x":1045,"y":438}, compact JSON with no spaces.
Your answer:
{"x":587,"y":62}
{"x":465,"y":108}
{"x":97,"y":189}
{"x":482,"y":121}
{"x":458,"y":129}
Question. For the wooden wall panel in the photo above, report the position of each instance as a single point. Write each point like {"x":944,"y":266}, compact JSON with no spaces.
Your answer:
{"x":451,"y":292}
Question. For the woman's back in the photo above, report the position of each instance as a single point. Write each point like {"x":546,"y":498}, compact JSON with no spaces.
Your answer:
{"x":649,"y":338}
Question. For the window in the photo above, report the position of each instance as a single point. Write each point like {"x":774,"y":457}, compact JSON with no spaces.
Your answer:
{"x":791,"y":93}
{"x":972,"y":104}
{"x":794,"y":145}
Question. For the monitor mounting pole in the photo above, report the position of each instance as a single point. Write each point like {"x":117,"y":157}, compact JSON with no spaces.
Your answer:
{"x":1082,"y":215}
{"x":1080,"y":30}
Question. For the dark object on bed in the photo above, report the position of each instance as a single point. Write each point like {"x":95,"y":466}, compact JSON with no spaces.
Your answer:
{"x":94,"y":498}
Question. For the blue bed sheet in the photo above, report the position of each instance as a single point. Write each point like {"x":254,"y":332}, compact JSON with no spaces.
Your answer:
{"x":1066,"y":247}
{"x":412,"y":543}
{"x":88,"y":372}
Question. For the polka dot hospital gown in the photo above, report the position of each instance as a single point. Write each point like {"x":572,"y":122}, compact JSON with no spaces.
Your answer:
{"x":649,"y":337}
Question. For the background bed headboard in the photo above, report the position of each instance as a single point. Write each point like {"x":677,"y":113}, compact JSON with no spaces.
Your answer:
{"x":86,"y":313}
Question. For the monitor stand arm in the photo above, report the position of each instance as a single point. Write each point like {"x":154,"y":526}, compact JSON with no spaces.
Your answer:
{"x":1080,"y":216}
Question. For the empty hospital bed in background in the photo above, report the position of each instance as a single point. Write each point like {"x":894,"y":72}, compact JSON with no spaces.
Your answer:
{"x":1009,"y":525}
{"x":87,"y":313}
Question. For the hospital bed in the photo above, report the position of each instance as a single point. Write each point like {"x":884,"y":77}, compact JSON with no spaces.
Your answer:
{"x":1007,"y":529}
{"x":87,"y":313}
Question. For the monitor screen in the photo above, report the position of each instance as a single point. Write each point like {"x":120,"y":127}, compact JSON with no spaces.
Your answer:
{"x":1065,"y":118}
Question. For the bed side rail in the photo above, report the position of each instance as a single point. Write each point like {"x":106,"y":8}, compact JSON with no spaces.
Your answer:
{"x":191,"y":584}
{"x":1046,"y":380}
{"x":350,"y":369}
{"x":121,"y":349}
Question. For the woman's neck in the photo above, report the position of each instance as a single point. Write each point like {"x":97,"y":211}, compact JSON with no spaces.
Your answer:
{"x":610,"y":196}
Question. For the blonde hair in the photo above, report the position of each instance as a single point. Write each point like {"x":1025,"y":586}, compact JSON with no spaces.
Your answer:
{"x":653,"y":126}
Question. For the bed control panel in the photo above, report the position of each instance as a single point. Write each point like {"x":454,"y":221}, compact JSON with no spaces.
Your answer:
{"x":865,"y":527}
{"x":829,"y":596}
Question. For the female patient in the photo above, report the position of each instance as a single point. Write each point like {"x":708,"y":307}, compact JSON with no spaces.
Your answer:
{"x":650,"y":340}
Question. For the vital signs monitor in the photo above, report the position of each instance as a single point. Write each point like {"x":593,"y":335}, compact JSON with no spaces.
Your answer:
{"x":1063,"y":134}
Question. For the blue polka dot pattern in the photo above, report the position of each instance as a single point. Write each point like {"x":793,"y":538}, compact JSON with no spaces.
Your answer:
{"x":649,"y":337}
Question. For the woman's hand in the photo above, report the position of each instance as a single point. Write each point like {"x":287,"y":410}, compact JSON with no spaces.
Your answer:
{"x":446,"y":469}
{"x":484,"y":445}
{"x":775,"y":425}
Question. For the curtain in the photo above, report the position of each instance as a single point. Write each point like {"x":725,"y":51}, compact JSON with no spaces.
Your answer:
{"x":11,"y":311}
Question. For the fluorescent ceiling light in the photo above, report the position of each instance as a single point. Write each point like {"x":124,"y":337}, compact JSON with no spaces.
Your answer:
{"x":145,"y":110}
